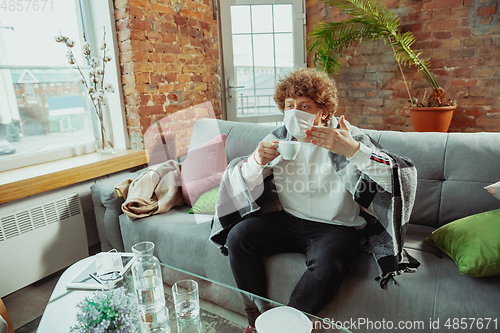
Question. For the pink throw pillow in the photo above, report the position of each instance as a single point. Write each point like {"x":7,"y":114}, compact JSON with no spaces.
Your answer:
{"x":203,"y":169}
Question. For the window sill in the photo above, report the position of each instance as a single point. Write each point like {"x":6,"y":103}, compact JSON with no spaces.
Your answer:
{"x":30,"y":180}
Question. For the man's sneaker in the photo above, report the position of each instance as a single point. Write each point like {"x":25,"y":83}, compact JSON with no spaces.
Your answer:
{"x":250,"y":329}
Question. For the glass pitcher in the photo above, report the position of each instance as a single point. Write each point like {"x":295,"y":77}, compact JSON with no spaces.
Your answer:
{"x":148,"y":286}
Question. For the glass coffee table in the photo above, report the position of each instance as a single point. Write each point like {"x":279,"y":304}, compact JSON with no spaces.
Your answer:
{"x":221,"y":307}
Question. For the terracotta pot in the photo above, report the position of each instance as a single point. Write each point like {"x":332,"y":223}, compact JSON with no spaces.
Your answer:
{"x":432,"y":119}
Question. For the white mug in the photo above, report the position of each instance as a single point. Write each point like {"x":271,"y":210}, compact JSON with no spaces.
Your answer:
{"x":289,"y":149}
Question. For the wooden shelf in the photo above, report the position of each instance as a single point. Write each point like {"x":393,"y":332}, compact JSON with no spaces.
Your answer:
{"x":23,"y":182}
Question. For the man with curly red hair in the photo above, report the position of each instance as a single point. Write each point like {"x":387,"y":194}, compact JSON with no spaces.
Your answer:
{"x":338,"y":169}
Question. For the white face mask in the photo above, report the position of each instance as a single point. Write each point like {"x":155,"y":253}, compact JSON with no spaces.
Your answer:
{"x":297,"y":122}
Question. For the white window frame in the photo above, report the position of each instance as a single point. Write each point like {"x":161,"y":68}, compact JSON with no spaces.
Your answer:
{"x":30,"y":95}
{"x":300,"y":52}
{"x":96,"y":14}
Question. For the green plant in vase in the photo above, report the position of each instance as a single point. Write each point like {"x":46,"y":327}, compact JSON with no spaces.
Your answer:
{"x":108,"y":311}
{"x":370,"y":21}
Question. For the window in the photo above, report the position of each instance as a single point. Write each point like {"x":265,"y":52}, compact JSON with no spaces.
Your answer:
{"x":28,"y":87}
{"x":261,"y":41}
{"x":57,"y":123}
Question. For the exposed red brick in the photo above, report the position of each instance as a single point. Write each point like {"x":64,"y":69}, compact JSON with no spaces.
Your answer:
{"x":463,"y":82}
{"x":154,"y":57}
{"x":159,"y":99}
{"x":152,"y":16}
{"x":141,"y":25}
{"x":474,"y":111}
{"x":461,"y":122}
{"x":132,"y":111}
{"x":140,"y":56}
{"x":133,"y":122}
{"x":477,"y":101}
{"x":467,"y":53}
{"x":144,"y":46}
{"x":136,"y":12}
{"x":142,"y":77}
{"x":181,"y":21}
{"x":136,"y":34}
{"x":442,"y":14}
{"x":485,"y":20}
{"x":162,"y":8}
{"x":487,"y":10}
{"x":489,"y":122}
{"x":195,"y":14}
{"x":147,"y":88}
{"x":131,"y":100}
{"x":145,"y":98}
{"x":151,"y":110}
{"x":121,"y":4}
{"x":461,"y":32}
{"x":441,"y":34}
{"x":157,"y":78}
{"x":120,"y":13}
{"x":168,"y":48}
{"x":363,"y":85}
{"x":123,"y":24}
{"x":138,"y":3}
{"x":442,"y":25}
{"x":442,"y":4}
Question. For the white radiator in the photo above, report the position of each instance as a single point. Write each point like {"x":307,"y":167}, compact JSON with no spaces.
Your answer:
{"x":39,"y":238}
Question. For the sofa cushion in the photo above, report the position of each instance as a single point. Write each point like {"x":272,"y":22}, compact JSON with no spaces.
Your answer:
{"x":203,"y":168}
{"x":179,"y":237}
{"x":412,"y":299}
{"x":242,"y":138}
{"x":472,"y":242}
{"x":463,"y":296}
{"x":415,"y":236}
{"x":206,"y":202}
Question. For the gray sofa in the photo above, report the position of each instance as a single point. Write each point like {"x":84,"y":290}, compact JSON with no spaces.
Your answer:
{"x":452,"y":172}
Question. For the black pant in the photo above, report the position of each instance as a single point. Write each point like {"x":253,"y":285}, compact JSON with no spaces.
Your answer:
{"x":329,"y":249}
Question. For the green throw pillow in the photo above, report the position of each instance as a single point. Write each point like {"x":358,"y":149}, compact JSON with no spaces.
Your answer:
{"x":206,"y":202}
{"x":473,"y":242}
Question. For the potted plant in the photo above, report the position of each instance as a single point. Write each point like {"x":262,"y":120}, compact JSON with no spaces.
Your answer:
{"x":371,"y":21}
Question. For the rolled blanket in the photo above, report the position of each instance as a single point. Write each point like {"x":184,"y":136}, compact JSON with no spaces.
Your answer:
{"x":155,"y":191}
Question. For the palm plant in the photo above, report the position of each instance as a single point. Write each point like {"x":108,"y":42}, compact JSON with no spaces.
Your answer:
{"x":370,"y":21}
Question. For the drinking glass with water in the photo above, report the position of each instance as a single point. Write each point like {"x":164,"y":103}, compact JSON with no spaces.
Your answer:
{"x":186,"y":299}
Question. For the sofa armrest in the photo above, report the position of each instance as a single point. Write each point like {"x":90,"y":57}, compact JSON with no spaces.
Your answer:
{"x":108,"y":208}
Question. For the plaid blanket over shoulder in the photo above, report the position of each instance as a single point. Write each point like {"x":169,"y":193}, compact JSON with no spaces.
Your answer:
{"x":387,"y":214}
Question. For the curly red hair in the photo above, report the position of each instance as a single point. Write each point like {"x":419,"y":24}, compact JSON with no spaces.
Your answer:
{"x":311,"y":83}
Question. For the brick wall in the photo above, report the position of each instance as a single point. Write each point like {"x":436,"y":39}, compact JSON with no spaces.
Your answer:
{"x":169,"y":60}
{"x":169,"y":137}
{"x":462,"y":39}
